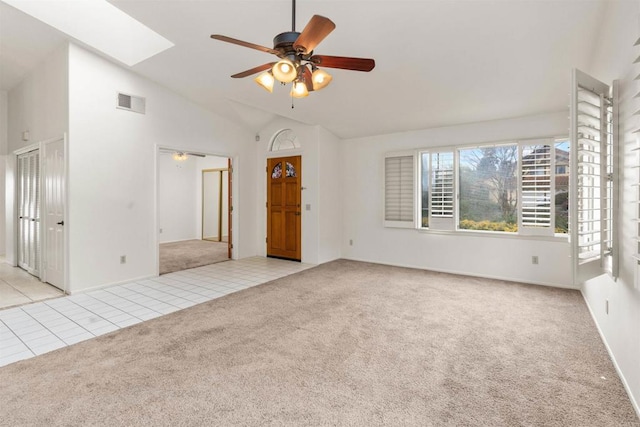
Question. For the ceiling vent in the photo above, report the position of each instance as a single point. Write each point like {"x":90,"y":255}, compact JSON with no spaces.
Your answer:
{"x":131,"y":103}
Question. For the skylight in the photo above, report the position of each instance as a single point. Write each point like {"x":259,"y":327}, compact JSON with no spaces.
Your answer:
{"x":98,"y":24}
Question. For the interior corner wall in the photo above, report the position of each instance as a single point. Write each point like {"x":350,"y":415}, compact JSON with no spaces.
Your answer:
{"x":113,"y":171}
{"x":3,"y":168}
{"x":39,"y":104}
{"x":177,"y":199}
{"x":620,"y":326}
{"x":329,"y":196}
{"x":502,"y":257}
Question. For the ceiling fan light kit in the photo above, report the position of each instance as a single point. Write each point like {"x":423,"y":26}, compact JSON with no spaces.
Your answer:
{"x":285,"y":70}
{"x":180,"y":157}
{"x":266,"y":81}
{"x":299,"y":90}
{"x":298,"y":65}
{"x":320,"y":79}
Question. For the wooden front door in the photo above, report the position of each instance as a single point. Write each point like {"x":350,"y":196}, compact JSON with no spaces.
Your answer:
{"x":283,"y":207}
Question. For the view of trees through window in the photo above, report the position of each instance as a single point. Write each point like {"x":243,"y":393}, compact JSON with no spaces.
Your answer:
{"x":488,"y":188}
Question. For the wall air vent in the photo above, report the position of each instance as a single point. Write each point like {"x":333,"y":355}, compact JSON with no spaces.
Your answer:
{"x":131,"y":103}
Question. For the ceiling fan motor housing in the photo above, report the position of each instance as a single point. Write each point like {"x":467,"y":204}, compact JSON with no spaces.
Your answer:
{"x":284,"y":41}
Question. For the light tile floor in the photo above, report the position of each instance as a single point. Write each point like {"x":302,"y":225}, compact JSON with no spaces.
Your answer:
{"x":18,"y":287}
{"x":37,"y":328}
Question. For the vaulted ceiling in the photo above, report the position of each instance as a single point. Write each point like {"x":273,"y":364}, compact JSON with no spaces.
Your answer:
{"x":438,"y":63}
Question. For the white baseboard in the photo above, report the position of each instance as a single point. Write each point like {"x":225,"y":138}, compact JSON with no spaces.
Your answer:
{"x":634,"y":401}
{"x":466,"y":273}
{"x":179,"y":240}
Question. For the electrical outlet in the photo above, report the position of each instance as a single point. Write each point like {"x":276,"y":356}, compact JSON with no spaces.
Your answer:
{"x":534,"y":260}
{"x":350,"y":242}
{"x":123,"y":259}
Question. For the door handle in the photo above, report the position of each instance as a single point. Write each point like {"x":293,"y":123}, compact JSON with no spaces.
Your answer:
{"x":297,"y":213}
{"x":60,"y":223}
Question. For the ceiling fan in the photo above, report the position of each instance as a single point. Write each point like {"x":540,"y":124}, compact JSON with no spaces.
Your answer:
{"x":181,"y":155}
{"x":298,"y":64}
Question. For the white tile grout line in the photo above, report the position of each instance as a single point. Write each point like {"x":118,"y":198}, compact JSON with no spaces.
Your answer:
{"x":154,"y":297}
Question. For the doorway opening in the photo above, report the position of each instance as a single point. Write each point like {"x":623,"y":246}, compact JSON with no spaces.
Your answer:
{"x":194,"y":209}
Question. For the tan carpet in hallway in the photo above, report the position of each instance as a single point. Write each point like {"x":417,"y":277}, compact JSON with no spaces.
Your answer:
{"x":178,"y":256}
{"x":345,"y":343}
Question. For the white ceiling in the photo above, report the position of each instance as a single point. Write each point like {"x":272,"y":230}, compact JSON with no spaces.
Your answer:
{"x":437,"y":62}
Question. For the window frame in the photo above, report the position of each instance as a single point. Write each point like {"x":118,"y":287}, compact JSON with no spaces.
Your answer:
{"x":450,"y":225}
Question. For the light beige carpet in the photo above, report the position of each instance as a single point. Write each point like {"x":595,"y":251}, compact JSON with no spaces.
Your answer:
{"x":178,"y":256}
{"x":345,"y":343}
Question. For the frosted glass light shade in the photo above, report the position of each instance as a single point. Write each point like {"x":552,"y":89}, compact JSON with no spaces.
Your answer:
{"x":299,"y":90}
{"x":180,"y":157}
{"x":285,"y":71}
{"x":320,"y":79}
{"x":265,"y":80}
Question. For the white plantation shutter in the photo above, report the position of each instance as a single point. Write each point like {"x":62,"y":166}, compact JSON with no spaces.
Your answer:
{"x":29,"y":211}
{"x":399,"y":190}
{"x":537,"y":188}
{"x":442,"y":185}
{"x":593,"y":178}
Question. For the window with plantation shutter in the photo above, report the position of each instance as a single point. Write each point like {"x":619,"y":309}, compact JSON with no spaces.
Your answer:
{"x":537,"y":187}
{"x":442,"y":185}
{"x":399,"y":190}
{"x":594,"y":177}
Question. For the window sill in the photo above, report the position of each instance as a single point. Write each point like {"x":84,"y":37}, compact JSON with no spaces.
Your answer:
{"x":496,"y":234}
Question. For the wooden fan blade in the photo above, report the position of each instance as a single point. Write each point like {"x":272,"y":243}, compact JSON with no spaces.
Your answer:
{"x":344,"y":62}
{"x":253,"y":70}
{"x":243,"y":43}
{"x":308,"y":79}
{"x":316,"y":30}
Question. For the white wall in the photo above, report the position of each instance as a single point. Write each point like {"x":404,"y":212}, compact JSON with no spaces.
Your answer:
{"x":112,"y":169}
{"x":320,"y":179}
{"x":507,"y":257}
{"x":620,"y":328}
{"x":329,"y":197}
{"x":3,"y":168}
{"x":39,"y":104}
{"x":177,"y":215}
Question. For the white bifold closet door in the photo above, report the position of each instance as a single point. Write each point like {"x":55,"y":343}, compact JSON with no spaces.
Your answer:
{"x":29,"y":211}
